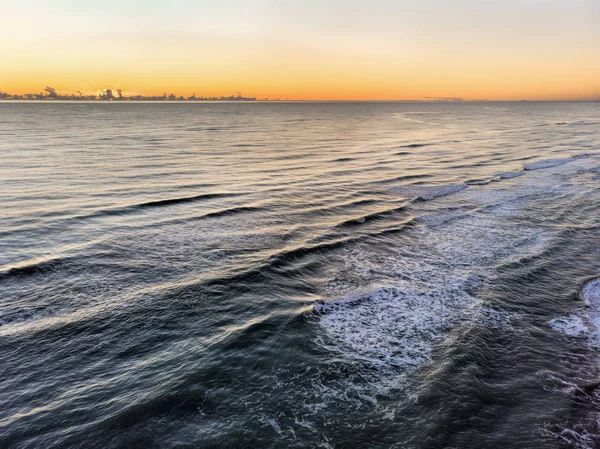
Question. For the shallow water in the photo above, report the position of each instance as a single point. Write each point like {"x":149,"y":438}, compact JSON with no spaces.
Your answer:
{"x":411,"y":275}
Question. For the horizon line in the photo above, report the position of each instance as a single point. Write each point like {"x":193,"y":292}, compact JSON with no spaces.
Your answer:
{"x":269,"y":100}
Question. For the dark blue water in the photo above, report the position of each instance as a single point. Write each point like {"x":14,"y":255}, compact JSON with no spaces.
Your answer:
{"x":279,"y":275}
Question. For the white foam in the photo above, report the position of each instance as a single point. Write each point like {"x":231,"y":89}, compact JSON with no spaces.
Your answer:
{"x":496,"y":318}
{"x":586,"y":323}
{"x":591,"y":296}
{"x":392,"y":327}
{"x":571,"y":325}
{"x":273,"y":423}
{"x":388,"y":311}
{"x":395,"y":308}
{"x":577,"y":437}
{"x":548,"y":163}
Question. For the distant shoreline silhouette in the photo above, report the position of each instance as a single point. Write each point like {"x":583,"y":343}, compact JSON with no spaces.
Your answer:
{"x":50,"y":93}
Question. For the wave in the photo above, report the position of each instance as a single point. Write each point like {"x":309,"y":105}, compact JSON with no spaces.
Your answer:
{"x":286,"y":259}
{"x":196,"y":129}
{"x":180,"y":200}
{"x":248,"y":145}
{"x":411,"y":302}
{"x":281,"y":262}
{"x":9,"y":316}
{"x":427,"y":193}
{"x":31,"y":268}
{"x":373,"y":216}
{"x":214,"y":214}
{"x":511,"y":174}
{"x":322,"y":306}
{"x":230,"y":211}
{"x":582,"y":123}
{"x":591,"y":293}
{"x":132,"y":208}
{"x":482,"y":181}
{"x":344,"y":159}
{"x":591,"y":297}
{"x":404,"y":178}
{"x":154,"y":204}
{"x":415,"y":145}
{"x":581,"y":432}
{"x":548,"y":163}
{"x":388,"y":311}
{"x":338,"y":208}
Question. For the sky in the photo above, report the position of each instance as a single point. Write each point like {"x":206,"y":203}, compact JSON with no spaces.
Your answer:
{"x":310,"y":49}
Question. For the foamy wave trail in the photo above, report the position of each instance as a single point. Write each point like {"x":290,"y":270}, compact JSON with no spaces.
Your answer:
{"x":571,"y":325}
{"x":391,"y":327}
{"x":591,"y":294}
{"x":389,"y":312}
{"x":584,"y":430}
{"x":591,"y":297}
{"x":585,"y":323}
{"x":548,"y":163}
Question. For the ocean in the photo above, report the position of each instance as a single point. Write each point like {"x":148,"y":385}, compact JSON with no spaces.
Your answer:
{"x":303,"y":274}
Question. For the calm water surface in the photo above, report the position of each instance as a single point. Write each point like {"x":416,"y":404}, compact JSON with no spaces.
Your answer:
{"x":281,"y":275}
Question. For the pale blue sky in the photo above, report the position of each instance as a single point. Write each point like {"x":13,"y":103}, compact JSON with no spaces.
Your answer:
{"x":217,"y":40}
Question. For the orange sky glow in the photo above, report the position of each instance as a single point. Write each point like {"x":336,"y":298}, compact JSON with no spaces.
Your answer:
{"x":378,"y":50}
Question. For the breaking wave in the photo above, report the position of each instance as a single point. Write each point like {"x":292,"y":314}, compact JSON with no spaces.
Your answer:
{"x":388,"y":312}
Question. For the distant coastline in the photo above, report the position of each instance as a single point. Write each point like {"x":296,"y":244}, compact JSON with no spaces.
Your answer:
{"x":51,"y":94}
{"x":117,"y":95}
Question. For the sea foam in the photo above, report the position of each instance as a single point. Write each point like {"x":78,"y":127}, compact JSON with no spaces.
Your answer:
{"x":548,"y":163}
{"x":571,"y":325}
{"x":395,"y":308}
{"x":586,"y":323}
{"x":389,"y":311}
{"x":591,"y":296}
